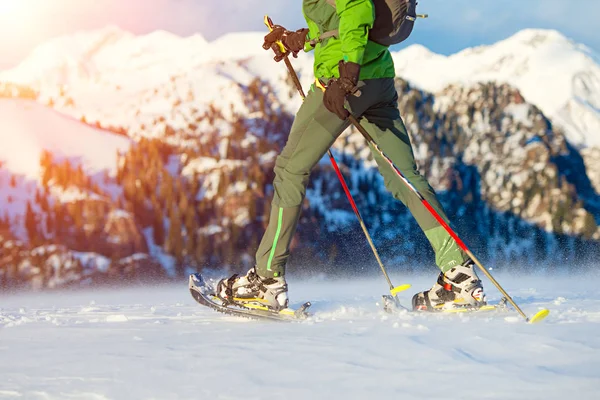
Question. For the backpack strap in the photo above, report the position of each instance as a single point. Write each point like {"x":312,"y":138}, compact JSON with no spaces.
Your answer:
{"x":406,"y":28}
{"x":324,"y":36}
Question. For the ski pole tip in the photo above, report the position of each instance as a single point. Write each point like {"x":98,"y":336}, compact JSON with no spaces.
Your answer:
{"x":539,"y":316}
{"x":399,"y":289}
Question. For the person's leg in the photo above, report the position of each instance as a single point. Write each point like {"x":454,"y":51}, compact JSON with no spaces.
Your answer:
{"x":384,"y":124}
{"x":313,"y":132}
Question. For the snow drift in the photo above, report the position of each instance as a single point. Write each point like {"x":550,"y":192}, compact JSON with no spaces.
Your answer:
{"x":158,"y":343}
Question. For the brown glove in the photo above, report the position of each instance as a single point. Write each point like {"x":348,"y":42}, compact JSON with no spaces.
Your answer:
{"x":293,"y":42}
{"x":337,"y":90}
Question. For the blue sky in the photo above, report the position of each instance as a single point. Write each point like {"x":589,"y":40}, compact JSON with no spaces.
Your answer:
{"x":453,"y":24}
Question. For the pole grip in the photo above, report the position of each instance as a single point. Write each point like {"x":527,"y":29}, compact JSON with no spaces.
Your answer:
{"x":269,"y":23}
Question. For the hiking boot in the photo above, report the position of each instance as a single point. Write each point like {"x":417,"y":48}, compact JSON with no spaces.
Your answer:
{"x":254,"y":289}
{"x":459,"y":287}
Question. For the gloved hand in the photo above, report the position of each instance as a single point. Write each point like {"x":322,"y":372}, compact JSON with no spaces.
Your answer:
{"x":292,"y":41}
{"x":337,"y":90}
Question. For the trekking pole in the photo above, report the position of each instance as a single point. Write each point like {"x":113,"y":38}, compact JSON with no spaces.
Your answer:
{"x":539,"y":316}
{"x":292,"y":72}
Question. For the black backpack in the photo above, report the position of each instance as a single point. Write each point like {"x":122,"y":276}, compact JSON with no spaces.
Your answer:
{"x":394,"y":21}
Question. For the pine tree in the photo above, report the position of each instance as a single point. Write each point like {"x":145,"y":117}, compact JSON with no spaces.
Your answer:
{"x":44,"y":202}
{"x":191,"y":226}
{"x":5,"y":222}
{"x":31,"y":224}
{"x":158,"y":228}
{"x":50,"y":226}
{"x":77,"y":213}
{"x":201,"y":248}
{"x":174,"y":243}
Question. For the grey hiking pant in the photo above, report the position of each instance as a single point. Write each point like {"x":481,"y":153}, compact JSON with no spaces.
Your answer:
{"x":313,"y":132}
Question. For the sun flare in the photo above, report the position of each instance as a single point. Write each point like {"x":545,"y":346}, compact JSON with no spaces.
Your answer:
{"x":7,"y":6}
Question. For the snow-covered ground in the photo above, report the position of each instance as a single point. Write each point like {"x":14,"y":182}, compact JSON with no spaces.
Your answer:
{"x":156,"y":343}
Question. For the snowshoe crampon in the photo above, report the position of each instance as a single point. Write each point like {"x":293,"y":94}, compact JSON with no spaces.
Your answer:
{"x":204,"y":294}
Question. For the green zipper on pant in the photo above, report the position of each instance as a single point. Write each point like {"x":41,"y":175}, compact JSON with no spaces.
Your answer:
{"x":279,"y":223}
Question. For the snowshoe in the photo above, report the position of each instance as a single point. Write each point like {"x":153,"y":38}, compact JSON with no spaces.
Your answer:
{"x":458,"y":288}
{"x":205,"y":295}
{"x":252,"y":289}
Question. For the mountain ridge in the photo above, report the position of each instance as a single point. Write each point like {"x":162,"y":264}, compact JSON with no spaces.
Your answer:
{"x":553,"y":72}
{"x":558,"y":75}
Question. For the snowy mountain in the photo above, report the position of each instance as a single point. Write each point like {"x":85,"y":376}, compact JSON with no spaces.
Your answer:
{"x":108,"y":70}
{"x":29,"y":128}
{"x":119,"y":79}
{"x":52,"y":165}
{"x":207,"y":119}
{"x":559,"y":76}
{"x":28,"y":131}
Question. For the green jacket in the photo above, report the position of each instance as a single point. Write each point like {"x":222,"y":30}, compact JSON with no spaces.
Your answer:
{"x":353,"y":19}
